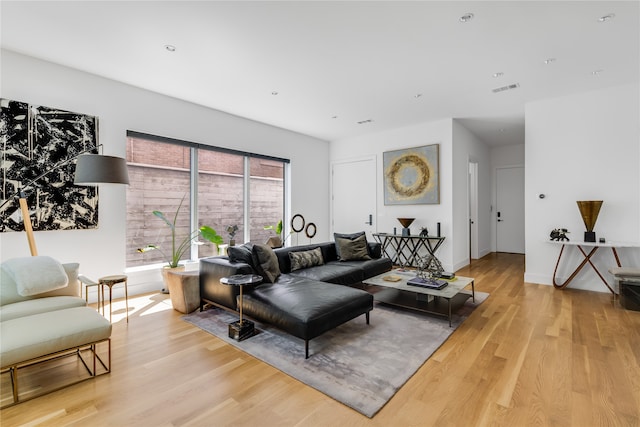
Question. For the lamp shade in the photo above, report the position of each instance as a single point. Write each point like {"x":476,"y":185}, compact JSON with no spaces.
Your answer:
{"x":93,"y":169}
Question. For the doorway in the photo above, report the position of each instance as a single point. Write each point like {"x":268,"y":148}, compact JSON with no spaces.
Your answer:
{"x":510,"y":210}
{"x":473,"y":210}
{"x":353,"y":206}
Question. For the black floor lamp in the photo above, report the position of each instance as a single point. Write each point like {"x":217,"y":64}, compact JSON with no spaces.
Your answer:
{"x":91,"y":169}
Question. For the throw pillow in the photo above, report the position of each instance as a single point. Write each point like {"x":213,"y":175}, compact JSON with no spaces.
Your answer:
{"x":351,"y":236}
{"x":265,"y":262}
{"x":351,"y":250}
{"x":305,"y":259}
{"x":36,"y":275}
{"x":241,"y":253}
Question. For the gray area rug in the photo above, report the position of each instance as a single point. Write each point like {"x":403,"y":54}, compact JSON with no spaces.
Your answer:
{"x":357,"y":364}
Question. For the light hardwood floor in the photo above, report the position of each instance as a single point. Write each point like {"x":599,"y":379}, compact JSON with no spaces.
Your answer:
{"x":528,"y":356}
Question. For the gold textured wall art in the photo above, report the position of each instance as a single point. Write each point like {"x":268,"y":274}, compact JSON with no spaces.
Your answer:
{"x":412,"y":176}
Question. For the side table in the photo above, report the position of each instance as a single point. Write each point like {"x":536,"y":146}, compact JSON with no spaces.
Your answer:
{"x":628,"y":281}
{"x":587,"y":259}
{"x":87,"y":284}
{"x":184,"y":290}
{"x":243,"y":328}
{"x":404,"y":251}
{"x":110,"y":281}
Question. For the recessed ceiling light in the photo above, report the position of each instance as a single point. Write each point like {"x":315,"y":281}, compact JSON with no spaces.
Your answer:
{"x":417,"y":95}
{"x":334,"y":117}
{"x":274,"y":93}
{"x":466,"y":17}
{"x":597,"y":72}
{"x":170,"y":47}
{"x":549,"y":61}
{"x":498,"y":74}
{"x":606,"y":18}
{"x":502,"y":130}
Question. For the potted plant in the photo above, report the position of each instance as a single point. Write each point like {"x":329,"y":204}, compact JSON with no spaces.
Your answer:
{"x":232,"y":230}
{"x":180,"y":246}
{"x":275,"y":241}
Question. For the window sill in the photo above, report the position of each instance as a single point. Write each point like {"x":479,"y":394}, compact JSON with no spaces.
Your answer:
{"x":188,"y":266}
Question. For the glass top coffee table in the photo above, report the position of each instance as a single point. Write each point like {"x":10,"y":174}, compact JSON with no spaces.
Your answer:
{"x":439,"y":302}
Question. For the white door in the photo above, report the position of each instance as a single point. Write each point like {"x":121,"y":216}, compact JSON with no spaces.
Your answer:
{"x":510,"y":210}
{"x":473,"y":210}
{"x":353,"y":195}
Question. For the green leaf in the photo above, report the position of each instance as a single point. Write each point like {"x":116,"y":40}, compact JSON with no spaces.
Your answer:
{"x":162,"y":217}
{"x":180,"y":247}
{"x":211,"y":235}
{"x":279,"y":228}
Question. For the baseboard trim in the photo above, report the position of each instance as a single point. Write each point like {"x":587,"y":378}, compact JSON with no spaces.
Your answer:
{"x":540,"y":279}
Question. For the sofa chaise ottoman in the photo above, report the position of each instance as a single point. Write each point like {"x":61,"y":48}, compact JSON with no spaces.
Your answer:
{"x":304,"y":301}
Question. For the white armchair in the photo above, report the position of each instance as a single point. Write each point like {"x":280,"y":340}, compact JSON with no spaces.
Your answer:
{"x":43,"y":317}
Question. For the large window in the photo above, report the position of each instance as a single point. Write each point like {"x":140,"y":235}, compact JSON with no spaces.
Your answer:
{"x":229,"y":188}
{"x":220,"y":195}
{"x":266,"y":201}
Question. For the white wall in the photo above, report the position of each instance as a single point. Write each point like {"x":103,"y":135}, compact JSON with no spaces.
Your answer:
{"x":121,"y":107}
{"x":466,"y":147}
{"x":376,"y":144}
{"x":501,"y":157}
{"x":507,"y":155}
{"x":582,"y":147}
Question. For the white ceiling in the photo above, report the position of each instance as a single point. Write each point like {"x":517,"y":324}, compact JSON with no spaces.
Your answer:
{"x":333,"y":64}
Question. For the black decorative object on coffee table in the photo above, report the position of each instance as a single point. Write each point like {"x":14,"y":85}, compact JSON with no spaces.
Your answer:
{"x":243,"y":328}
{"x":429,"y":268}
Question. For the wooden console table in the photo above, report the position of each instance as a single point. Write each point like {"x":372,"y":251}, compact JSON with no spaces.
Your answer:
{"x":405,"y":250}
{"x":587,"y":258}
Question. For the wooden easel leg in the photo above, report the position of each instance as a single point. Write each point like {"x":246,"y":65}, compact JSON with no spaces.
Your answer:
{"x":26,"y":219}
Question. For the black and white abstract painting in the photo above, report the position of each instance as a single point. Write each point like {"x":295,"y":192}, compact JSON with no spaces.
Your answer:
{"x":35,"y":140}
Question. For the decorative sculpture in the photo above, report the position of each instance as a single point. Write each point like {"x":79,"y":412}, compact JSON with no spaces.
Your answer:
{"x":559,"y":234}
{"x":296,"y":220}
{"x":589,"y":209}
{"x":429,"y":267}
{"x":406,"y":222}
{"x":424,"y":232}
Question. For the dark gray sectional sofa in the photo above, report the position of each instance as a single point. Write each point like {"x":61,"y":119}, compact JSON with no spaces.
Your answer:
{"x":305,"y":302}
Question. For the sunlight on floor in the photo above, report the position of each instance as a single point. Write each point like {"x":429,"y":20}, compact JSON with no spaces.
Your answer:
{"x":139,"y":305}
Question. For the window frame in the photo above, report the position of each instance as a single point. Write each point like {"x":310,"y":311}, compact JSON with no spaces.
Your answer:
{"x":194,"y":181}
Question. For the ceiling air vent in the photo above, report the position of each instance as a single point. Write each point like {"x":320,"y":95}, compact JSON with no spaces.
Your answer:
{"x":508,"y":87}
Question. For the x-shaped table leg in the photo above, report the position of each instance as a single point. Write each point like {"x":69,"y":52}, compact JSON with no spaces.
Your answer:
{"x":587,"y":259}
